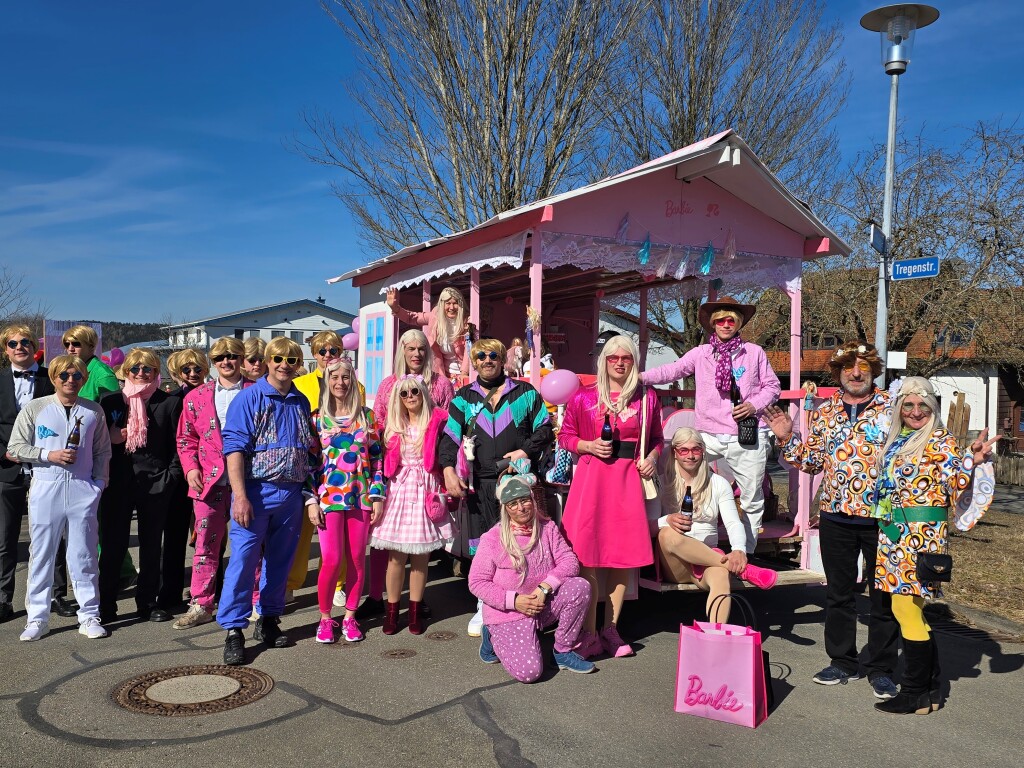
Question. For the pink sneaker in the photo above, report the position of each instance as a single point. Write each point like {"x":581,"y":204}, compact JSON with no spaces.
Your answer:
{"x":325,"y":632}
{"x":613,"y":643}
{"x":588,"y":645}
{"x":764,"y":578}
{"x":350,"y":630}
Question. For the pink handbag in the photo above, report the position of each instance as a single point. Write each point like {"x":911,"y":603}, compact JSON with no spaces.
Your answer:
{"x":437,"y":507}
{"x":721,"y":673}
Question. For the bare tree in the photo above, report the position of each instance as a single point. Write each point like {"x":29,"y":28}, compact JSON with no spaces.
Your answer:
{"x":770,"y":69}
{"x":468,"y":108}
{"x":15,"y":300}
{"x":964,"y":204}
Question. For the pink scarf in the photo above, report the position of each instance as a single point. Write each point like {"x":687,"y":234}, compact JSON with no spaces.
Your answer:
{"x":136,"y":396}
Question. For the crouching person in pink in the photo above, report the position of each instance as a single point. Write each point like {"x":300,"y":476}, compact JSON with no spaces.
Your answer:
{"x":201,"y":450}
{"x":527,"y":577}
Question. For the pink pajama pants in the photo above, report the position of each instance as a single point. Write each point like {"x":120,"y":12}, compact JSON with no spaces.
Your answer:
{"x":211,"y":528}
{"x":517,"y":643}
{"x":346,"y":534}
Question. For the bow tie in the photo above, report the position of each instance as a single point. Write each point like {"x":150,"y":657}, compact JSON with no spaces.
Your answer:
{"x":23,"y":374}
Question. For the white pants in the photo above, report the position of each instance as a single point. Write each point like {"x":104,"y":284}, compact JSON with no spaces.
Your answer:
{"x":746,"y":466}
{"x":56,"y":504}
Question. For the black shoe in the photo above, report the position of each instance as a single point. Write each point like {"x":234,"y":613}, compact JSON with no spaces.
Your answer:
{"x":6,"y":612}
{"x":64,"y":607}
{"x":107,"y":617}
{"x":370,"y":607}
{"x":425,"y":611}
{"x":234,"y":648}
{"x":268,"y":631}
{"x":159,"y":614}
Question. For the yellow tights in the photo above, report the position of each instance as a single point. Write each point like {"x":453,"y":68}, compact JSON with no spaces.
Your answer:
{"x":909,"y":612}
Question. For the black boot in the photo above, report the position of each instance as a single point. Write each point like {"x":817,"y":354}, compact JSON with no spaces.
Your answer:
{"x":268,"y":631}
{"x":234,"y":648}
{"x":935,"y":692}
{"x":915,"y":688}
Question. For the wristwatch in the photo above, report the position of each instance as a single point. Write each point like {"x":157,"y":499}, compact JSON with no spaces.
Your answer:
{"x":546,"y":590}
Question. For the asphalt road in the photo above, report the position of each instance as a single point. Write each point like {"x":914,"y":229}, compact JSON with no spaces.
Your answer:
{"x":360,"y":706}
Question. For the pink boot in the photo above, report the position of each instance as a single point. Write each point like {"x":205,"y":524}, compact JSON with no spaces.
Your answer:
{"x":763,"y":578}
{"x":588,"y":645}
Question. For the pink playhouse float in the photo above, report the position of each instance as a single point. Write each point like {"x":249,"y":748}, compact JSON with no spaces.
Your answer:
{"x":705,"y":220}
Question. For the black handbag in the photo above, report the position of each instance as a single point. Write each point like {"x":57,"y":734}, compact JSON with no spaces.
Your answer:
{"x":747,"y":435}
{"x":934,"y":566}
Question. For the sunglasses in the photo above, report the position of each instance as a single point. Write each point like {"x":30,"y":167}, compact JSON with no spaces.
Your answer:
{"x":188,"y":370}
{"x":23,"y":343}
{"x":486,"y":355}
{"x":332,"y":351}
{"x":144,"y":369}
{"x":72,"y":343}
{"x":625,"y":359}
{"x":278,"y":359}
{"x":519,"y":503}
{"x":406,"y":393}
{"x":254,"y":360}
{"x":682,"y":450}
{"x":222,"y":358}
{"x":725,"y":321}
{"x":909,"y":408}
{"x":65,"y":375}
{"x":858,"y":365}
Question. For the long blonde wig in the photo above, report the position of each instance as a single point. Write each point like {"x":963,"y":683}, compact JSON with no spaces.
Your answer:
{"x":398,"y":415}
{"x":673,"y":490}
{"x":604,"y":401}
{"x":511,"y":546}
{"x":351,"y":407}
{"x":401,"y":369}
{"x":448,"y":330}
{"x":914,"y":447}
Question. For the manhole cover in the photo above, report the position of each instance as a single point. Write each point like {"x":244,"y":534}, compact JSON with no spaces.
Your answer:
{"x":192,"y":690}
{"x":399,"y":653}
{"x":442,"y":635}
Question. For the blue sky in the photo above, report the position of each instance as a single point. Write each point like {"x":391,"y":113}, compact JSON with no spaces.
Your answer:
{"x":143,"y":161}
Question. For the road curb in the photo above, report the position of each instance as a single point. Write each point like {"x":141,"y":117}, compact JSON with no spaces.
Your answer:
{"x":990,"y":622}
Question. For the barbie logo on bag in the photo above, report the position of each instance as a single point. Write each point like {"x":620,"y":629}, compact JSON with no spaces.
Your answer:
{"x":723,"y":698}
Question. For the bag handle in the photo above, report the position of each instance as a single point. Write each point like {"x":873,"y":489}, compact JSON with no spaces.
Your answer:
{"x":643,"y":423}
{"x":745,"y":608}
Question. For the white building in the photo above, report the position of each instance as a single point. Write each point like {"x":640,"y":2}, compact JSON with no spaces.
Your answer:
{"x":298,"y":320}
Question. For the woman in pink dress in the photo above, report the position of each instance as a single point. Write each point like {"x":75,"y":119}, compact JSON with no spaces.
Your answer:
{"x":406,"y":530}
{"x":605,"y":518}
{"x":447,"y":329}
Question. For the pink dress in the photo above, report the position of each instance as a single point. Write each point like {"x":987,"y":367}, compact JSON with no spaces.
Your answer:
{"x":605,"y":517}
{"x":404,"y":525}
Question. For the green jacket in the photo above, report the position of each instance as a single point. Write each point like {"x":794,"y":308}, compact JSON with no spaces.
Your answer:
{"x":101,"y":380}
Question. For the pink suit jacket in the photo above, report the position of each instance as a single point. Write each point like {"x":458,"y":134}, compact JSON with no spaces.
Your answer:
{"x":199,"y":442}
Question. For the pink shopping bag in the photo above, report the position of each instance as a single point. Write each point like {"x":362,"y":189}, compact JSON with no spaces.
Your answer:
{"x":721,"y":674}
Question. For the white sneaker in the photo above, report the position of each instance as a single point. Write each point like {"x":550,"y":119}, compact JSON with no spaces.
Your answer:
{"x":339,"y":598}
{"x":92,"y":629}
{"x":33,"y":631}
{"x":476,"y":624}
{"x":196,"y":615}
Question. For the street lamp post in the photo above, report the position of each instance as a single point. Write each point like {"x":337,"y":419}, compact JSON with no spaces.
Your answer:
{"x":897,"y":24}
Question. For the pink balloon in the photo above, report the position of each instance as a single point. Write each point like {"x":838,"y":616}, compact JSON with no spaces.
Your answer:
{"x":350,"y":341}
{"x":558,"y":386}
{"x":355,"y":325}
{"x":116,"y":356}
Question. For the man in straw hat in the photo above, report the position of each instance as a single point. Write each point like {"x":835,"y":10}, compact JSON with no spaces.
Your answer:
{"x":725,"y":362}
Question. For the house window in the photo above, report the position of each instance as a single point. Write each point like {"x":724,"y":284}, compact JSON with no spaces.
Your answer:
{"x":956,"y":337}
{"x":255,"y":334}
{"x":296,"y":336}
{"x":239,"y":333}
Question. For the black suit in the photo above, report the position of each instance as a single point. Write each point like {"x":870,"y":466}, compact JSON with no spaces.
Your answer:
{"x":145,"y":481}
{"x":13,"y":482}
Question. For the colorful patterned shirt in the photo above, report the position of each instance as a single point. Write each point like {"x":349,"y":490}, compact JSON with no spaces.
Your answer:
{"x":846,"y":453}
{"x":350,"y":474}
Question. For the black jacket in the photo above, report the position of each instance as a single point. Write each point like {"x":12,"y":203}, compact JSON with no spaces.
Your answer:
{"x":155,"y":466}
{"x":9,"y":470}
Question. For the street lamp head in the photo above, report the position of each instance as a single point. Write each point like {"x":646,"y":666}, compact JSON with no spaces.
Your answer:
{"x":897,"y":24}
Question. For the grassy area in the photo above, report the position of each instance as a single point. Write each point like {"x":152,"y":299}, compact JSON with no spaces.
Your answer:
{"x":987,"y":563}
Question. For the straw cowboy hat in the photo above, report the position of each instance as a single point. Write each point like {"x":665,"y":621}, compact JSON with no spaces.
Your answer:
{"x":745,"y":311}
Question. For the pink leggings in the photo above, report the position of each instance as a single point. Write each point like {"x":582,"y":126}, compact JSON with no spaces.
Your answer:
{"x":348,"y":531}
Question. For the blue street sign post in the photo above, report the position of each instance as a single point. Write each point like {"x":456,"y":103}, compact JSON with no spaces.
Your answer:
{"x":912,"y":269}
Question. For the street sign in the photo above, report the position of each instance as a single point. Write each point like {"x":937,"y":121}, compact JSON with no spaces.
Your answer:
{"x":912,"y":269}
{"x":877,"y":239}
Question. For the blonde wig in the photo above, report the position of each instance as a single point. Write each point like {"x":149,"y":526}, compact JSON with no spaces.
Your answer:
{"x":18,"y":329}
{"x":415,"y":336}
{"x":673,"y":490}
{"x":726,"y":313}
{"x":254,"y":347}
{"x":190,"y":356}
{"x":511,"y":546}
{"x":914,"y":447}
{"x":398,"y":415}
{"x":326,"y":339}
{"x":65,"y":362}
{"x":283,"y":346}
{"x":83,"y":334}
{"x":227,"y":345}
{"x":488,"y":345}
{"x":604,"y":401}
{"x":448,"y":330}
{"x":351,"y":407}
{"x":140,"y":356}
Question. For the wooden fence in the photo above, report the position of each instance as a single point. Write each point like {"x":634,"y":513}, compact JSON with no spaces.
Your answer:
{"x":1010,"y":469}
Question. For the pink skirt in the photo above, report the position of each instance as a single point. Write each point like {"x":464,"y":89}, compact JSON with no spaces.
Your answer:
{"x":605,"y":517}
